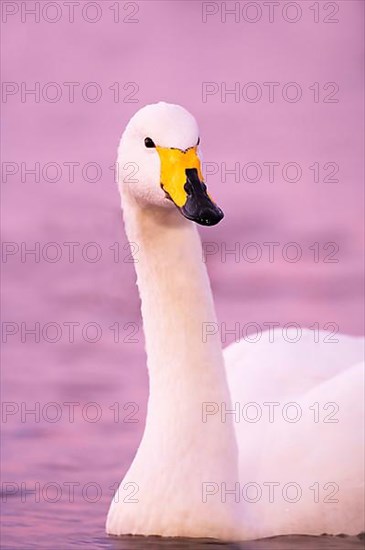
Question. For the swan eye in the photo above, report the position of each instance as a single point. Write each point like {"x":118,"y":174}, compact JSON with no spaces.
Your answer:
{"x":149,"y":143}
{"x":198,"y":141}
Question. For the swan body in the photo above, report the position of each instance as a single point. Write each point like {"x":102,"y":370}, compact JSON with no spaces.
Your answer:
{"x":202,"y":461}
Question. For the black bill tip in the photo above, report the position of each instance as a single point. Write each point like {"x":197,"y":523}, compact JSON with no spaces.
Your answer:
{"x":199,"y":207}
{"x":206,"y":216}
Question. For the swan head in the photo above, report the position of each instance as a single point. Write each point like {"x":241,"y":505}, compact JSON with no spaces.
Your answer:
{"x":159,"y":163}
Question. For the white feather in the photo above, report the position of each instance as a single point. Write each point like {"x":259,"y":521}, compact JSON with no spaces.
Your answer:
{"x":180,"y":452}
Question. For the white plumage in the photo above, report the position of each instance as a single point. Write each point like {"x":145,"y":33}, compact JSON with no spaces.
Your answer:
{"x":185,"y":460}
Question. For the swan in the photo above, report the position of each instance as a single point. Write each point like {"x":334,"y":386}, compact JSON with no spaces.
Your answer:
{"x":200,"y":469}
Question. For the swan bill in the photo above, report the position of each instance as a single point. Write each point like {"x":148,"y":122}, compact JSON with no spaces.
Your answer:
{"x":182,"y":180}
{"x":199,"y":207}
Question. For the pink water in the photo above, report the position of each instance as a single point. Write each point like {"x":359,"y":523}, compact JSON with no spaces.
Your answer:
{"x":167,"y":53}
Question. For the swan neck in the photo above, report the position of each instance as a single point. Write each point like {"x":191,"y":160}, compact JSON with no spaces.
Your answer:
{"x":175,"y":293}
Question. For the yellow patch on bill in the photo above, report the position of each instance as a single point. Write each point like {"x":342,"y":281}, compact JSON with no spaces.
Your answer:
{"x":174,"y":162}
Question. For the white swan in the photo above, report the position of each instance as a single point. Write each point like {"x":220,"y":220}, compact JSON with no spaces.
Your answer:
{"x":190,"y":455}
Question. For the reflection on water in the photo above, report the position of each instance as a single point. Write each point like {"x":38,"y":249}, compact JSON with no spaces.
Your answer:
{"x":297,"y":542}
{"x":274,"y":543}
{"x":43,"y":539}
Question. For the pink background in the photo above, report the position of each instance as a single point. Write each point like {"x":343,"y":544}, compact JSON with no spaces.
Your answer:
{"x":168,"y":54}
